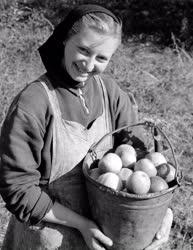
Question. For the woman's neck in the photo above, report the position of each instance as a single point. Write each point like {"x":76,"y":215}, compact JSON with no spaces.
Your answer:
{"x":63,"y":79}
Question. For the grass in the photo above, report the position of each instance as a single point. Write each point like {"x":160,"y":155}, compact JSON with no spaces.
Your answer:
{"x":160,"y":78}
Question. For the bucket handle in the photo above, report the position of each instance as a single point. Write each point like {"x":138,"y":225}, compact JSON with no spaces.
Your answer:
{"x":148,"y":124}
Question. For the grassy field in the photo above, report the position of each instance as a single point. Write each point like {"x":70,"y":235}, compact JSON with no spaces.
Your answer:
{"x":160,"y":78}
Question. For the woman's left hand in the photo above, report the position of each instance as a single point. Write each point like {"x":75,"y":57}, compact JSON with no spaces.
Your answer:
{"x":162,"y":235}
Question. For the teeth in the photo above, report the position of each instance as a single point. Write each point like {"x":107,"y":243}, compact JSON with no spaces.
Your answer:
{"x":79,"y":69}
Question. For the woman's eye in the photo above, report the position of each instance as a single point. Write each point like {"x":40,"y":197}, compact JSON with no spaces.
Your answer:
{"x":83,"y":50}
{"x":102,"y":58}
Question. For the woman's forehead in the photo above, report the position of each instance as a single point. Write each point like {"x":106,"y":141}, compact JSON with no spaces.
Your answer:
{"x":91,"y":38}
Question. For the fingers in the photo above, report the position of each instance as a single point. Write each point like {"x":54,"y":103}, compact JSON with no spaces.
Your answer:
{"x":162,"y":235}
{"x":103,"y":239}
{"x":166,"y":225}
{"x":94,"y":238}
{"x":96,"y":245}
{"x":156,"y":244}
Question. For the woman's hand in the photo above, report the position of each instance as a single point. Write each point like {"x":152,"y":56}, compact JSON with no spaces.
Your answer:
{"x":162,"y":235}
{"x":93,"y":236}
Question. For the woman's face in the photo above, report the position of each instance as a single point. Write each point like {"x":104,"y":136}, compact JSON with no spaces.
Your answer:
{"x":88,"y":53}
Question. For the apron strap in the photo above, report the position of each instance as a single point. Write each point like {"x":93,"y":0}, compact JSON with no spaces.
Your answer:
{"x":51,"y":95}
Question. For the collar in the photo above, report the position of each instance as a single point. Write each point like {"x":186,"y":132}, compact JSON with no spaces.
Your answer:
{"x":69,"y":84}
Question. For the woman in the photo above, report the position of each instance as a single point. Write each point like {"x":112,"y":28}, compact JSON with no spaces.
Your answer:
{"x":49,"y":128}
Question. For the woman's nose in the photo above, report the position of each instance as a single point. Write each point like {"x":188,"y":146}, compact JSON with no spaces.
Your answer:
{"x":90,"y":65}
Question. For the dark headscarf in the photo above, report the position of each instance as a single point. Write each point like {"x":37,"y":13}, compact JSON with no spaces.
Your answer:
{"x":52,"y":50}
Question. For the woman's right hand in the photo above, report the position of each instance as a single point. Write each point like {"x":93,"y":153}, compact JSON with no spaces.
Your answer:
{"x":93,"y":236}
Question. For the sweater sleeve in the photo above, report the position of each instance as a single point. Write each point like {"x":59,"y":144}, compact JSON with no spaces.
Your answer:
{"x":21,"y":143}
{"x":124,"y":111}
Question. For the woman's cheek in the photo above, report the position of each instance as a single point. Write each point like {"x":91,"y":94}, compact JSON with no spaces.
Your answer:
{"x":102,"y":67}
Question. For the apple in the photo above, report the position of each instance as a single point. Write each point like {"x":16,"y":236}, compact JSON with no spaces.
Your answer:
{"x":125,"y":147}
{"x":172,"y":173}
{"x":110,"y":180}
{"x":138,"y":183}
{"x":163,"y":170}
{"x":166,"y":171}
{"x":128,"y":160}
{"x":157,"y":184}
{"x":157,"y":158}
{"x":125,"y":174}
{"x":127,"y":154}
{"x":110,"y":162}
{"x":147,"y":166}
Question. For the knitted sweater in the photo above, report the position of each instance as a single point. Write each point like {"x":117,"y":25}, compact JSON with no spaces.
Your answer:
{"x":26,"y":139}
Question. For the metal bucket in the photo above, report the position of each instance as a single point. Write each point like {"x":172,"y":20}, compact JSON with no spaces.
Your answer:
{"x":130,"y":220}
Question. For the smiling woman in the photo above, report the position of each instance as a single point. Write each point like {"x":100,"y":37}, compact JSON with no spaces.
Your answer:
{"x":87,"y":54}
{"x":90,"y":44}
{"x":49,"y":128}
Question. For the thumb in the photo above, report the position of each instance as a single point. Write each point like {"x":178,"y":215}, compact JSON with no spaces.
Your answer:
{"x":103,"y":239}
{"x":166,"y":225}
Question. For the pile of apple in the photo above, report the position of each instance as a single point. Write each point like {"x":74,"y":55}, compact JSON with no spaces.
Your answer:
{"x":122,"y":171}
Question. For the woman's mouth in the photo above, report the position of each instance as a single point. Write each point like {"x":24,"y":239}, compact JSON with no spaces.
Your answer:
{"x":81,"y":71}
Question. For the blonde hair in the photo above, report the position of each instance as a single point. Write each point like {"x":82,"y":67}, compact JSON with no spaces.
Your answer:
{"x":99,"y":22}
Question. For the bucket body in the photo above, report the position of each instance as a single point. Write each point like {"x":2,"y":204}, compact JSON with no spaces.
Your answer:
{"x":130,"y":220}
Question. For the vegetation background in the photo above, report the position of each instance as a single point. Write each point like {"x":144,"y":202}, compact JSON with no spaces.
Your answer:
{"x":155,"y":62}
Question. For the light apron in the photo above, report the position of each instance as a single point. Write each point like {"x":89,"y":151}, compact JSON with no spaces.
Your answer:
{"x":71,"y":142}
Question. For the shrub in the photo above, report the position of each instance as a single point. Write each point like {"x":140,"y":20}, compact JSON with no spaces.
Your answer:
{"x":145,"y":19}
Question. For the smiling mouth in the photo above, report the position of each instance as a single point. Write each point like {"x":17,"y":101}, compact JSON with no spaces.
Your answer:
{"x":85,"y":73}
{"x":79,"y":69}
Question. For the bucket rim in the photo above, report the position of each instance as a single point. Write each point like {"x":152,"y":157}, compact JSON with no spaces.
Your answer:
{"x":150,"y":125}
{"x":123,"y":194}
